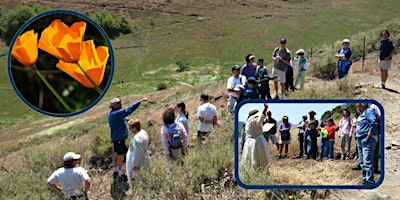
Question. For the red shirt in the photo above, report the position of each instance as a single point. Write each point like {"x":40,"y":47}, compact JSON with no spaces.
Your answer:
{"x":331,"y":132}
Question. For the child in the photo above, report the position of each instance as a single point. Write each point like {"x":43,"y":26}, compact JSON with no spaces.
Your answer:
{"x":251,"y":91}
{"x":302,"y":63}
{"x":284,"y":129}
{"x":263,"y":79}
{"x":311,"y":137}
{"x":331,"y":128}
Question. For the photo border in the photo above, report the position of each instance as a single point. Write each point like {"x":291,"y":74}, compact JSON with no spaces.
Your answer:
{"x":70,"y":12}
{"x":310,"y":187}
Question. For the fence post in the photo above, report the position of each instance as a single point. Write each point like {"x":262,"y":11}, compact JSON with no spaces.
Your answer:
{"x":363,"y":55}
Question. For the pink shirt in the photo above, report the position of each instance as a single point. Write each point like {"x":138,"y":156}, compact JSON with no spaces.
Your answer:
{"x":345,"y":126}
{"x":165,"y":137}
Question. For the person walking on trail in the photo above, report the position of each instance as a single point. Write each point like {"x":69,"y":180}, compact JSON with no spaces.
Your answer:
{"x":302,"y":126}
{"x":233,"y":81}
{"x":137,"y":156}
{"x":255,"y":150}
{"x":345,"y":126}
{"x":207,"y":114}
{"x":263,"y":79}
{"x":74,"y":180}
{"x":302,"y":64}
{"x":385,"y":57}
{"x":119,"y":132}
{"x":174,"y":138}
{"x":183,"y":115}
{"x":344,"y":59}
{"x":249,"y":69}
{"x":367,"y":137}
{"x":281,"y":56}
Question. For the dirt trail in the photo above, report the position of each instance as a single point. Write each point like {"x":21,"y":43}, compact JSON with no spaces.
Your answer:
{"x":389,"y":98}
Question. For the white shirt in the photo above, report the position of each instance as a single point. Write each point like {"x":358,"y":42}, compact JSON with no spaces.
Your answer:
{"x":208,"y":112}
{"x":71,"y":179}
{"x":182,"y":119}
{"x":232,"y":82}
{"x":138,"y":146}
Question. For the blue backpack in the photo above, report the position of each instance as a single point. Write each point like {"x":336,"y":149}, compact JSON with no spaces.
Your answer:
{"x":175,"y":138}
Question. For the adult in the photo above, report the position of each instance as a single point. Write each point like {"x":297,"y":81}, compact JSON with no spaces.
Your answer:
{"x":255,"y":149}
{"x":74,"y":180}
{"x":271,"y":134}
{"x":137,"y":156}
{"x":249,"y":69}
{"x":251,"y":90}
{"x":302,"y":64}
{"x":344,"y":58}
{"x":302,"y":127}
{"x":263,"y":79}
{"x":173,"y":136}
{"x":207,"y":114}
{"x":377,"y":154}
{"x":233,"y":81}
{"x":345,"y":126}
{"x":119,"y":132}
{"x":367,"y":137}
{"x":285,"y":138}
{"x":385,"y":57}
{"x":281,"y":56}
{"x":183,"y":115}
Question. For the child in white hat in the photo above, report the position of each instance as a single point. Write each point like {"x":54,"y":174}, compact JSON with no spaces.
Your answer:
{"x":302,"y":64}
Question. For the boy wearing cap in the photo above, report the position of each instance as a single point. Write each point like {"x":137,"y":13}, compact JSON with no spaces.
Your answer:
{"x":249,"y":69}
{"x":207,"y":114}
{"x":251,"y":91}
{"x":311,"y":138}
{"x":74,"y":180}
{"x":344,"y":58}
{"x":263,"y":79}
{"x":281,"y":56}
{"x":302,"y":64}
{"x":119,"y":132}
{"x":233,"y":81}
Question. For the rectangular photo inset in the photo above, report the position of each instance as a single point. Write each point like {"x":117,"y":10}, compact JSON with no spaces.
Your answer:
{"x":309,"y":144}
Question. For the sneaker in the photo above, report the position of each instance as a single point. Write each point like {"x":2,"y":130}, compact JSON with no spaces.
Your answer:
{"x":276,"y":97}
{"x":382,"y":85}
{"x":284,"y":155}
{"x":279,"y":156}
{"x":358,"y":167}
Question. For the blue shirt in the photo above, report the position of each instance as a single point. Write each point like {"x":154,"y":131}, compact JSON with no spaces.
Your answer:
{"x":347,"y":52}
{"x":116,"y":120}
{"x":251,"y":93}
{"x":367,"y":122}
{"x":385,"y":49}
{"x":248,"y":70}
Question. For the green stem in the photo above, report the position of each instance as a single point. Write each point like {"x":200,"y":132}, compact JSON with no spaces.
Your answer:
{"x":55,"y":93}
{"x":90,"y":79}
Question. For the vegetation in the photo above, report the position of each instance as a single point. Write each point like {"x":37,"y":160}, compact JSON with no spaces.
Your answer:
{"x":113,"y":25}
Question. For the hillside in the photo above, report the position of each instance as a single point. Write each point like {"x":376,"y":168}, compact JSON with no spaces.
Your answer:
{"x":210,"y":35}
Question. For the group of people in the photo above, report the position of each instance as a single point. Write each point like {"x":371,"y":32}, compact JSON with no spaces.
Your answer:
{"x":252,"y":80}
{"x":74,"y":181}
{"x":260,"y":127}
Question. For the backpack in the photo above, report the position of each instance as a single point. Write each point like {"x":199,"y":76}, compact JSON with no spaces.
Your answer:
{"x":175,"y":138}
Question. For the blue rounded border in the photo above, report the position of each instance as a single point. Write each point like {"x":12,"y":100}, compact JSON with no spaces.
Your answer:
{"x":310,"y":187}
{"x":30,"y":21}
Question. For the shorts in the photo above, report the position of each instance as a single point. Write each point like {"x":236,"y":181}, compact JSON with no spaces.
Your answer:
{"x":285,"y":141}
{"x":201,"y":135}
{"x":281,"y":75}
{"x":273,"y":138}
{"x":385,"y":64}
{"x":119,"y":147}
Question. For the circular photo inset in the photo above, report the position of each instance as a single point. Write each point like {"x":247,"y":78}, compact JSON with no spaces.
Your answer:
{"x":60,"y":63}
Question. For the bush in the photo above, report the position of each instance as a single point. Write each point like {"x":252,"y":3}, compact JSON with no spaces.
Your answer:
{"x":182,"y":65}
{"x":161,"y":86}
{"x":111,"y":24}
{"x":13,"y":19}
{"x":324,"y":67}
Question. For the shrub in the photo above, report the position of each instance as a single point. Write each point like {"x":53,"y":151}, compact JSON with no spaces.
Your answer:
{"x":111,"y":24}
{"x":324,"y":67}
{"x":13,"y":19}
{"x":182,"y":65}
{"x":161,"y":86}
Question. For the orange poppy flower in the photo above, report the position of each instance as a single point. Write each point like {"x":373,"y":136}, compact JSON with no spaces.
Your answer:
{"x":92,"y":60}
{"x":63,"y":42}
{"x":25,"y":48}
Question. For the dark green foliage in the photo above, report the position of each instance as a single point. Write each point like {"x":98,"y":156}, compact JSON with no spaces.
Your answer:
{"x":182,"y":65}
{"x":11,"y":21}
{"x":111,"y":24}
{"x":161,"y":86}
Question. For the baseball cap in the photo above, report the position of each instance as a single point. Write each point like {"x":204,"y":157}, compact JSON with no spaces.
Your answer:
{"x":260,"y":60}
{"x":235,"y":67}
{"x":71,"y":156}
{"x":283,"y":41}
{"x":300,"y":51}
{"x":238,"y":88}
{"x":204,"y":97}
{"x":114,"y":101}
